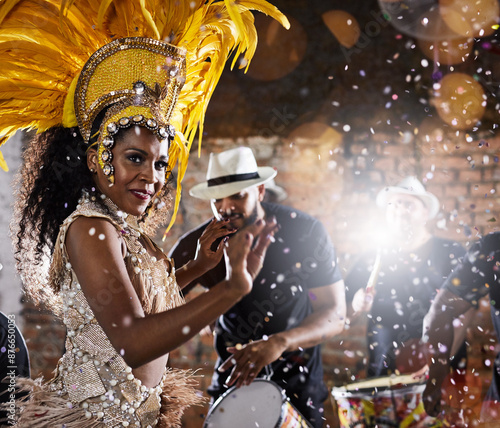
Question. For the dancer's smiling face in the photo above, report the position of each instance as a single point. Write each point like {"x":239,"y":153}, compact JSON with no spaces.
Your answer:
{"x":139,"y":162}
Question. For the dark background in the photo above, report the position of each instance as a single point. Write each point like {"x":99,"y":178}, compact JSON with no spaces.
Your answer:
{"x":338,"y":86}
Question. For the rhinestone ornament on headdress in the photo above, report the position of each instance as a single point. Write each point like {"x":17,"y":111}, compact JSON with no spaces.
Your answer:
{"x":138,"y":80}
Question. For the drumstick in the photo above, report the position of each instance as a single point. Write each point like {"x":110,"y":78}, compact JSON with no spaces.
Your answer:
{"x":369,"y":290}
{"x":380,"y":382}
{"x":372,"y":281}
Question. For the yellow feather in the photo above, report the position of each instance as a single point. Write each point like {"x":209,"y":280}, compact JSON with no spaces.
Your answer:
{"x":149,"y":19}
{"x":180,"y":153}
{"x":3,"y":164}
{"x":235,"y":15}
{"x":6,"y":8}
{"x":102,"y":11}
{"x":268,"y":9}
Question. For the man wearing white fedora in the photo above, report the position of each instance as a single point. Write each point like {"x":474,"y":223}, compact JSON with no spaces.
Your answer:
{"x":395,"y":285}
{"x":297,"y":300}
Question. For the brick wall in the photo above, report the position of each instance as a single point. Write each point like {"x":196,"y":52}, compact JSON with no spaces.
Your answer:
{"x":337,"y":181}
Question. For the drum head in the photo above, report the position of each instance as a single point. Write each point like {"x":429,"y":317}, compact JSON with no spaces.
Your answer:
{"x":256,"y":405}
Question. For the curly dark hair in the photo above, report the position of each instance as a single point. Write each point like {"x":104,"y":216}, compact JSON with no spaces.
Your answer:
{"x":49,"y":184}
{"x":51,"y":180}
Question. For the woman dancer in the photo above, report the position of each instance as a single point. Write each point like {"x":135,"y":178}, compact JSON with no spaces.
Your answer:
{"x":93,"y":189}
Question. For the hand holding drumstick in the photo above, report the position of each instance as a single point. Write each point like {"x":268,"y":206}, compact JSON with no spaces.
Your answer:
{"x":363,"y":299}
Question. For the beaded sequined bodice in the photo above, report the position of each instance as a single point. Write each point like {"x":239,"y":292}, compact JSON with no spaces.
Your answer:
{"x":91,"y":373}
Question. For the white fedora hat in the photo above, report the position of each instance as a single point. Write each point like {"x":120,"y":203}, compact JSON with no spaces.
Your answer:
{"x":230,"y":172}
{"x":410,"y":186}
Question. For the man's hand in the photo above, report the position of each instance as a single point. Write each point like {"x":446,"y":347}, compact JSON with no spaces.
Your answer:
{"x":421,"y":374}
{"x":362,"y":301}
{"x":255,"y":259}
{"x":248,"y":360}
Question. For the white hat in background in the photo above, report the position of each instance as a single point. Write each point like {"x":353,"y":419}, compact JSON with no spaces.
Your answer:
{"x":278,"y":192}
{"x":410,"y":186}
{"x":230,"y":172}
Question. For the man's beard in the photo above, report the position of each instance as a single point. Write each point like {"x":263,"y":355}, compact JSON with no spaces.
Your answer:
{"x":252,"y":218}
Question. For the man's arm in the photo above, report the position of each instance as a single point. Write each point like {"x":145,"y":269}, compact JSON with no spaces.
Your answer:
{"x":460,"y":326}
{"x":326,"y":320}
{"x":440,"y":338}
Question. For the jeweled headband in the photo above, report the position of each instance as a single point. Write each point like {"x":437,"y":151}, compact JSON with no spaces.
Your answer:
{"x":138,"y":80}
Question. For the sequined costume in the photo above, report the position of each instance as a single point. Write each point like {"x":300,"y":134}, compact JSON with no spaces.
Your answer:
{"x":93,"y":386}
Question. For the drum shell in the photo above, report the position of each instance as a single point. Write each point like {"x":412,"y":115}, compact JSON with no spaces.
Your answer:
{"x":394,"y":405}
{"x":262,"y":403}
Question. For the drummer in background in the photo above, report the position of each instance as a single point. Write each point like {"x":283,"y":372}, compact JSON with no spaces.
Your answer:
{"x":297,"y":300}
{"x":274,"y":193}
{"x":393,"y":287}
{"x":476,"y":277}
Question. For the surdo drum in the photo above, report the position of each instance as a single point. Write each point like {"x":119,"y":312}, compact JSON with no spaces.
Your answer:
{"x":384,"y":402}
{"x":261,"y":404}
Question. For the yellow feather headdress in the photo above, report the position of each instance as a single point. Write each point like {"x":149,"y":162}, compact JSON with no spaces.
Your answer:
{"x":45,"y":44}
